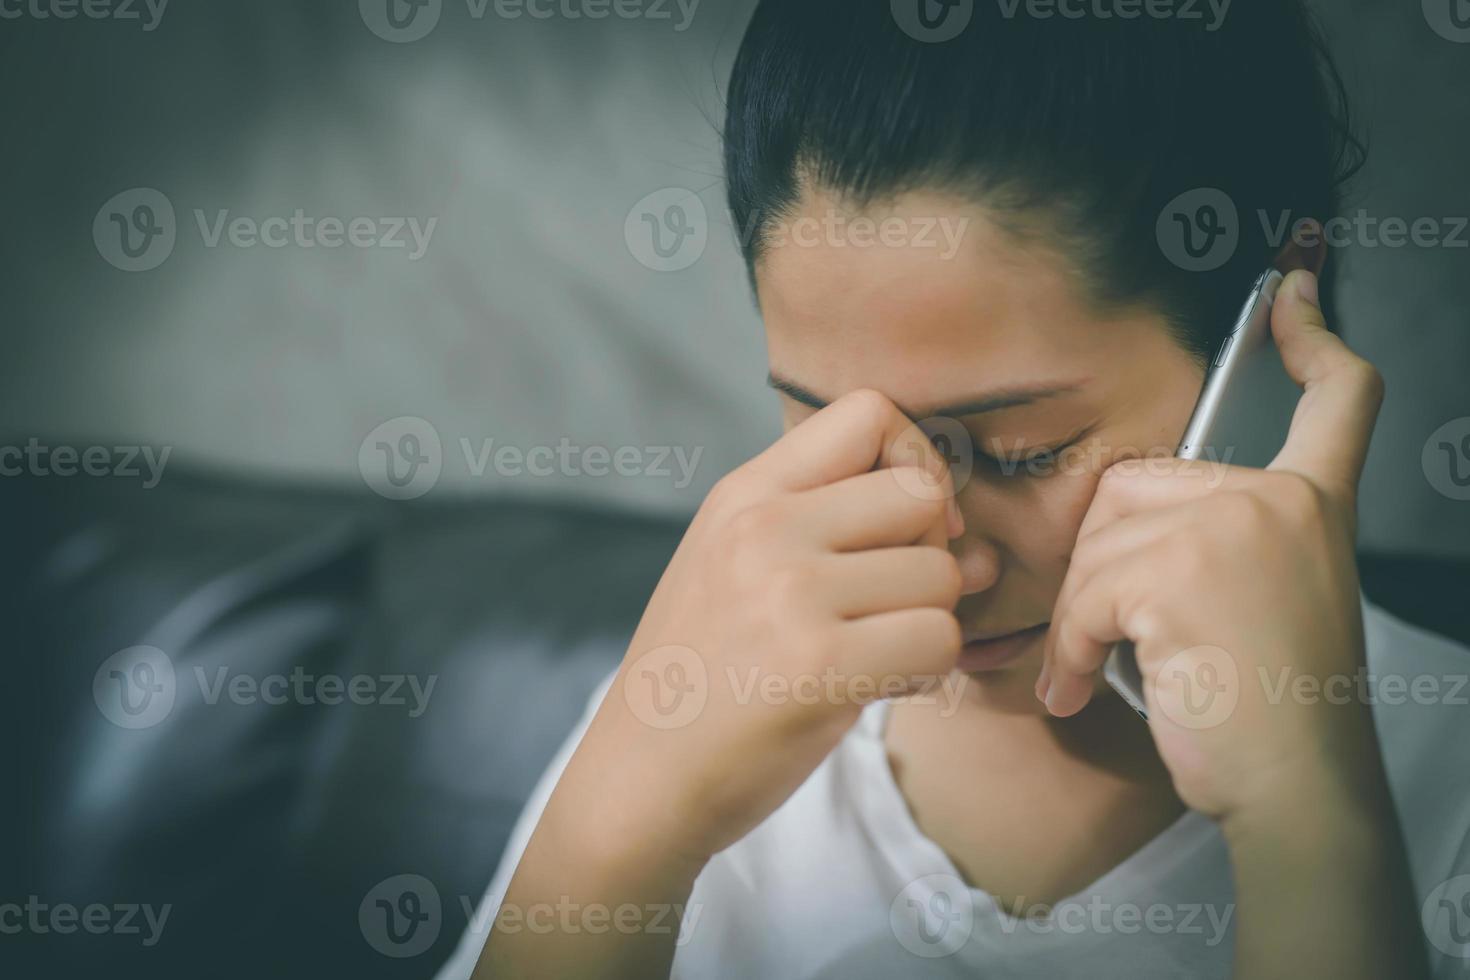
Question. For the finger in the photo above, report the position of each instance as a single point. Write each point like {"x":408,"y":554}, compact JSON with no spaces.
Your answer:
{"x":1133,"y":486}
{"x":1100,"y":552}
{"x":856,"y":433}
{"x":1095,"y":619}
{"x":1341,"y":392}
{"x":868,"y":582}
{"x":871,"y":511}
{"x":916,"y":645}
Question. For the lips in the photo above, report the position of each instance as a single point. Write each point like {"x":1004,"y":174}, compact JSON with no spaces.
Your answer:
{"x":990,"y":651}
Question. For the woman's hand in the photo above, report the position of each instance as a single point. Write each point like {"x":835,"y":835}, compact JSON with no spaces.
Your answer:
{"x":1230,"y":589}
{"x":1230,"y":594}
{"x":814,"y":579}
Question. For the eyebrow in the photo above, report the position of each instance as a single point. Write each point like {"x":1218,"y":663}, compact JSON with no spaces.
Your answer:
{"x":992,"y":401}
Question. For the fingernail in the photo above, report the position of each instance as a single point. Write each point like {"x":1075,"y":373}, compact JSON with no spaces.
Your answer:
{"x":1306,"y":287}
{"x":1050,"y":699}
{"x":956,"y":519}
{"x":1043,"y":683}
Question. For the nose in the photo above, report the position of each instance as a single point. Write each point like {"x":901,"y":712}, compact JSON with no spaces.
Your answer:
{"x":979,"y":561}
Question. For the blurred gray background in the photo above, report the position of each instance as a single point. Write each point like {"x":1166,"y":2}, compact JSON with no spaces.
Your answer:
{"x":536,"y":314}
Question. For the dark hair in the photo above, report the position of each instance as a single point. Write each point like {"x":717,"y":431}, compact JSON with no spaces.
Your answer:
{"x":1084,"y":128}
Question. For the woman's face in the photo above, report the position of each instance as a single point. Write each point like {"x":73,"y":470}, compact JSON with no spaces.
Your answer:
{"x":928,"y":301}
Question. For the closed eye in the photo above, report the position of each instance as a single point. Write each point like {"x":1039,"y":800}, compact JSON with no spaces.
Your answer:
{"x":1024,"y":460}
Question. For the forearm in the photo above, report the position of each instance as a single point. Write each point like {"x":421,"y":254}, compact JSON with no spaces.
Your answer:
{"x":1323,"y":889}
{"x":577,"y":908}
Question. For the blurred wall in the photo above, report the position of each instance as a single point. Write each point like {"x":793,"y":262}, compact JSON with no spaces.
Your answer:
{"x":542,"y":310}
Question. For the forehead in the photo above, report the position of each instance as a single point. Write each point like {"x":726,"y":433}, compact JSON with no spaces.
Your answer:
{"x":923,"y":295}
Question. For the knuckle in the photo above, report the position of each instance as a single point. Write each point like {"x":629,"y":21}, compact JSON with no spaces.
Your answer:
{"x":944,"y":629}
{"x":747,"y":546}
{"x":754,"y":523}
{"x":1302,"y":500}
{"x":1113,"y":476}
{"x":1187,"y":561}
{"x":870,"y":402}
{"x":914,"y":494}
{"x":789,"y":585}
{"x":1070,"y":655}
{"x":1242,"y":509}
{"x":729,"y":493}
{"x":1084,"y":557}
{"x":814,"y":650}
{"x":1371,"y":380}
{"x":951,"y":636}
{"x":954,"y":580}
{"x":934,"y":508}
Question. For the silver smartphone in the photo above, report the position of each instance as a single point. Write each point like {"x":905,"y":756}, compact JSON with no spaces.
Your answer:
{"x":1241,"y":419}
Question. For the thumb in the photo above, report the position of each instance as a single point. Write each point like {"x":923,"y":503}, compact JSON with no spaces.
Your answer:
{"x":1299,"y":290}
{"x":1341,"y":392}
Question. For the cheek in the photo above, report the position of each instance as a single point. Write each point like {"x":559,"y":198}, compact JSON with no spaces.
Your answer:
{"x":1033,"y":522}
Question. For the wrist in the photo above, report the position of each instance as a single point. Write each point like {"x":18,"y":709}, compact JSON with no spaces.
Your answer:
{"x":610,"y":839}
{"x":1326,"y":811}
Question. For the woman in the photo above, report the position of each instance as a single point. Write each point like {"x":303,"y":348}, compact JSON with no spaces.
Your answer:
{"x":749,"y":773}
